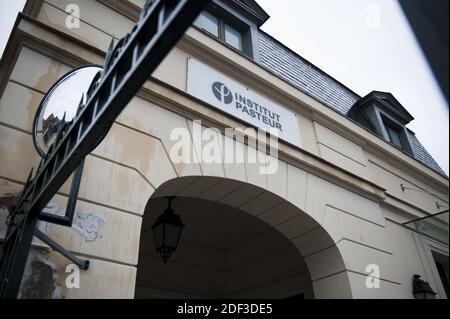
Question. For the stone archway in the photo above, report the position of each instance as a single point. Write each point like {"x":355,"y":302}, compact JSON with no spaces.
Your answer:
{"x":305,"y":242}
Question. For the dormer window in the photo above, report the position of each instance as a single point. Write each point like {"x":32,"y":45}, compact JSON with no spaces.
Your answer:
{"x":235,"y":23}
{"x":222,"y":30}
{"x":394,"y":132}
{"x":208,"y":22}
{"x":233,"y":37}
{"x":381,"y":113}
{"x":394,"y":135}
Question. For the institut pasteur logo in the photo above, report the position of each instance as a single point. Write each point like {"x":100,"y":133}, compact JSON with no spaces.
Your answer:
{"x":222,"y":93}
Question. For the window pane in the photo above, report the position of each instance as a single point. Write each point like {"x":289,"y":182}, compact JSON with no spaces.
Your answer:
{"x":208,"y":22}
{"x":233,"y":37}
{"x":394,"y":136}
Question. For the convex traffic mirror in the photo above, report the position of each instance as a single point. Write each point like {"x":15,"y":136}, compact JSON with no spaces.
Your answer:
{"x":60,"y":105}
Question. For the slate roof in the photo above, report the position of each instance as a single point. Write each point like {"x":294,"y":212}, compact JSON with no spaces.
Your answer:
{"x":421,"y":154}
{"x":289,"y":66}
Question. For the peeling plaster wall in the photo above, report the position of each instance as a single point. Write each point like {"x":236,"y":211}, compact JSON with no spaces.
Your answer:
{"x":89,"y":226}
{"x":44,"y":275}
{"x":40,"y":280}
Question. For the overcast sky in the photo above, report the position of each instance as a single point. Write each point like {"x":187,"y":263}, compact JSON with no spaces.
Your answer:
{"x":365,"y":44}
{"x":8,"y":14}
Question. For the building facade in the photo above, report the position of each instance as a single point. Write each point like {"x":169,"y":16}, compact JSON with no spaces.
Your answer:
{"x":348,"y":211}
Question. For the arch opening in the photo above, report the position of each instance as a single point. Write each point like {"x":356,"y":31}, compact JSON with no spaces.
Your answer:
{"x":240,"y":241}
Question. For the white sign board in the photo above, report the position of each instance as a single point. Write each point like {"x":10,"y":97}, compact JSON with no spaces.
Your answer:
{"x":230,"y":96}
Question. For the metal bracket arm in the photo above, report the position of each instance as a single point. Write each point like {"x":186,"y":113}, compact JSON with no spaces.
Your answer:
{"x":83,"y":264}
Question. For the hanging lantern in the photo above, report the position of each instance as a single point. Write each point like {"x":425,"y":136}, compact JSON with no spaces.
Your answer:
{"x":167,"y":232}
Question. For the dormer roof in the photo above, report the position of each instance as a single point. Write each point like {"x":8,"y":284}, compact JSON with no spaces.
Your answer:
{"x":387,"y":102}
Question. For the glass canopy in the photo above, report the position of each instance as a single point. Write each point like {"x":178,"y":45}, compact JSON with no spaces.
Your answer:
{"x":434,"y":226}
